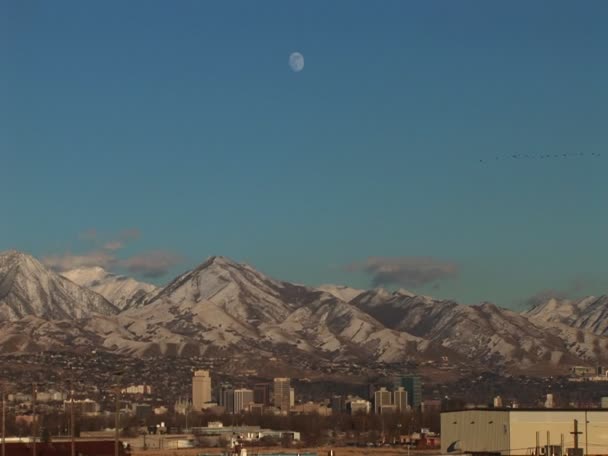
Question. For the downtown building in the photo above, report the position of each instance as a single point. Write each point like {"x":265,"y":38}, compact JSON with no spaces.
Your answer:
{"x":201,"y":389}
{"x":282,"y":394}
{"x":243,"y":399}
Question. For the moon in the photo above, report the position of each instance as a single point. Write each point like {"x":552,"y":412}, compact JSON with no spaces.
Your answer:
{"x":296,"y":62}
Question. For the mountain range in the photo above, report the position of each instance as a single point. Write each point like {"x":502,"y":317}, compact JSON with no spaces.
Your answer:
{"x":222,"y":307}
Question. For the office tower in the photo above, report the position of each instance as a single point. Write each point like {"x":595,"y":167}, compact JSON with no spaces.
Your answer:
{"x":261,"y":393}
{"x":413,"y":386}
{"x":282,"y":394}
{"x":228,"y":400}
{"x":382,"y":397}
{"x":400,"y":399}
{"x":243,"y":398}
{"x":201,"y":389}
{"x":220,"y":393}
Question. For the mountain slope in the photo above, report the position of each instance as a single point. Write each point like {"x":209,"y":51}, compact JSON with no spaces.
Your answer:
{"x":230,"y":306}
{"x":589,"y":314}
{"x":28,"y":288}
{"x":341,"y":292}
{"x":484,"y":332}
{"x":123,"y":292}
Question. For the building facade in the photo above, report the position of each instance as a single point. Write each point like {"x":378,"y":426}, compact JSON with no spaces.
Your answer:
{"x":261,"y":393}
{"x":400,"y":399}
{"x":282,"y":394}
{"x":524,"y":431}
{"x":413,"y":385}
{"x":243,"y":398}
{"x":201,"y":389}
{"x":382,"y":398}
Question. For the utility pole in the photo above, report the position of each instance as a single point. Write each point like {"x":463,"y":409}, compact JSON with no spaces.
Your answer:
{"x":3,"y":420}
{"x":586,"y":434}
{"x":72,"y":423}
{"x":576,"y":433}
{"x":116,"y":420}
{"x":34,"y":430}
{"x":117,"y":375}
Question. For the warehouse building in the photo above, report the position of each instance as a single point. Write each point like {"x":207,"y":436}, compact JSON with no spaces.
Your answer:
{"x":541,"y":432}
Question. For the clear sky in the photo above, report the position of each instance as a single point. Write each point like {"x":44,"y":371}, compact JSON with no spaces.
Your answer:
{"x":409,"y":152}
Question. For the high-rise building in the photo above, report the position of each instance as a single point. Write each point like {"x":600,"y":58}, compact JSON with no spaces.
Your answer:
{"x":220,"y":393}
{"x":261,"y":393}
{"x":382,"y":397}
{"x":400,"y":399}
{"x":282,"y":394}
{"x":243,"y":398}
{"x":228,"y":400}
{"x":201,"y":389}
{"x":413,"y":386}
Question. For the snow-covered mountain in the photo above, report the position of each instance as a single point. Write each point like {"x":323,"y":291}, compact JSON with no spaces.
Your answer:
{"x":341,"y":292}
{"x":483,"y":332}
{"x":225,"y":305}
{"x":589,"y":314}
{"x":123,"y":292}
{"x":28,"y":288}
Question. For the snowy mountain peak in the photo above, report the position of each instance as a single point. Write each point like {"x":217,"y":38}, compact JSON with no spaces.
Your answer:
{"x":28,"y":288}
{"x":341,"y":292}
{"x":404,"y":292}
{"x":589,"y":313}
{"x":123,"y":292}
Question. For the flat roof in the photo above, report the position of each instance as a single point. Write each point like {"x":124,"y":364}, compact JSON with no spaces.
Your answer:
{"x":506,"y":409}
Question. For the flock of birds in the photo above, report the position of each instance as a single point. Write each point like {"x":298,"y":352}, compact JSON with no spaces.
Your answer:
{"x":540,"y":156}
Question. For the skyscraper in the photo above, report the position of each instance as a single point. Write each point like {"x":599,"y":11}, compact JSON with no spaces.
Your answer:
{"x":382,"y":397}
{"x":243,"y":398}
{"x":201,"y":389}
{"x":220,"y":392}
{"x":228,"y":400}
{"x":400,"y":399}
{"x":413,"y":386}
{"x":282,"y":393}
{"x":261,"y":393}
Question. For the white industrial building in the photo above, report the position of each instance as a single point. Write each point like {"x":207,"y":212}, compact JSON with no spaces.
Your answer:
{"x":543,"y":432}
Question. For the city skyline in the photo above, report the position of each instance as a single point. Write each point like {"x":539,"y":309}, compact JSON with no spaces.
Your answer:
{"x":455,"y":150}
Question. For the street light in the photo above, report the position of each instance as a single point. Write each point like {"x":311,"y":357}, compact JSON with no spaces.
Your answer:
{"x":118,"y":376}
{"x":34,"y":430}
{"x":72,"y":420}
{"x":3,"y":419}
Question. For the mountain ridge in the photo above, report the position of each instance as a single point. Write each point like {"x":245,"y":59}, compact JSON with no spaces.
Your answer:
{"x":222,"y":306}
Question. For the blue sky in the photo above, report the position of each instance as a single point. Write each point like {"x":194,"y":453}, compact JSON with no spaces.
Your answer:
{"x":388,"y":159}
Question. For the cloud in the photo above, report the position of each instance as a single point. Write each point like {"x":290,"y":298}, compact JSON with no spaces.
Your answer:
{"x":67,"y":261}
{"x":405,"y":271}
{"x":572,"y":291}
{"x":113,"y":245}
{"x":151,"y":264}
